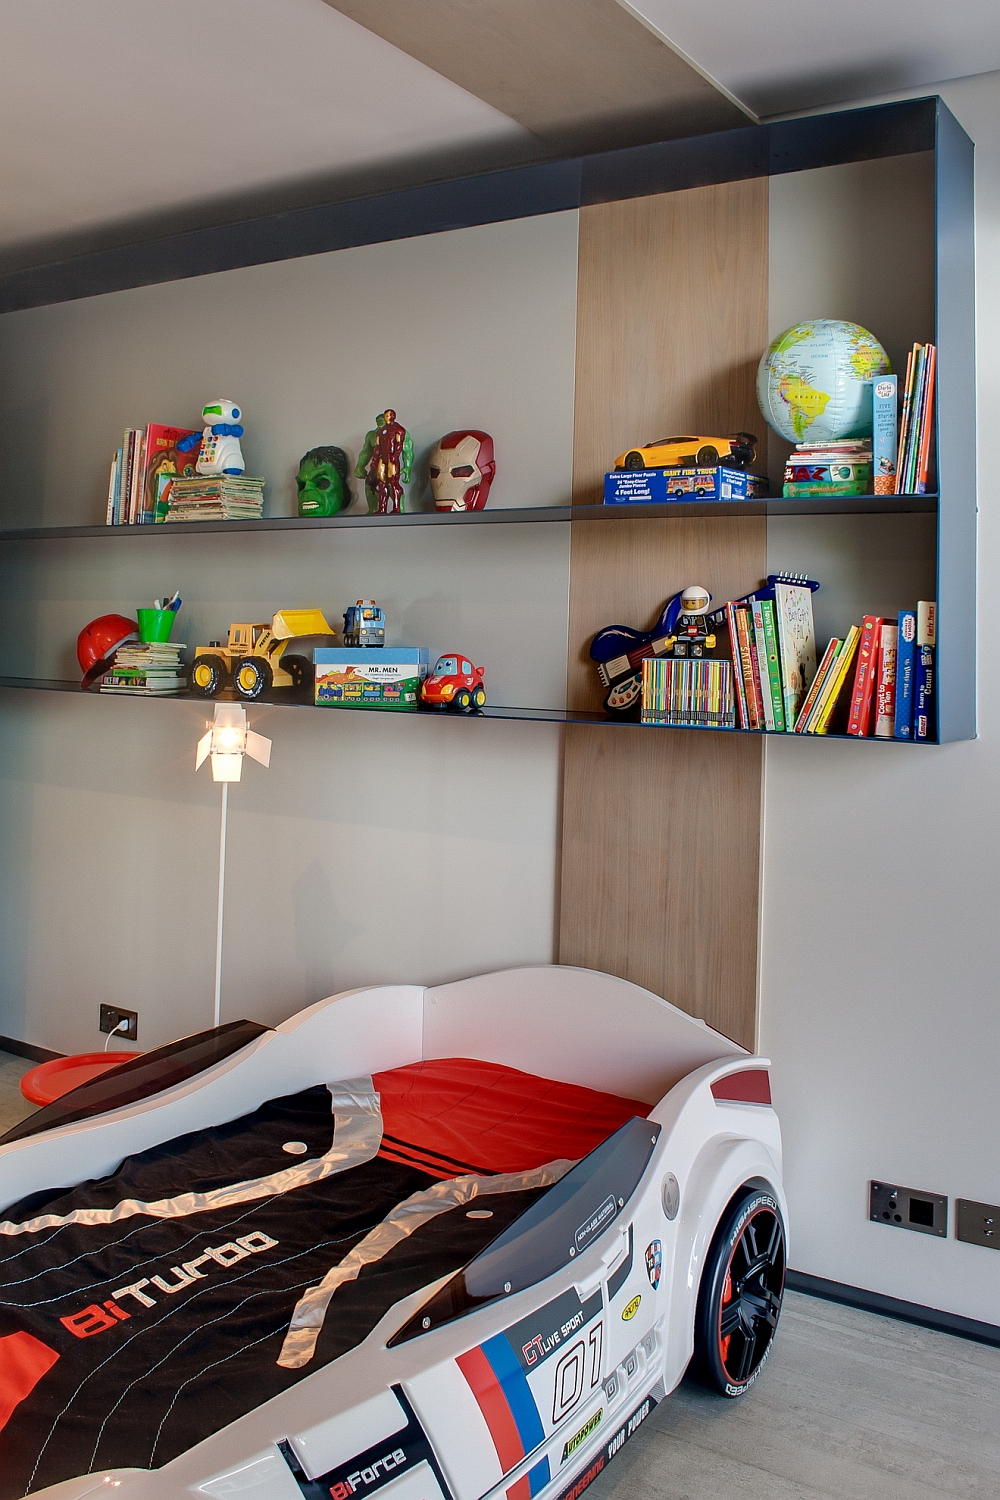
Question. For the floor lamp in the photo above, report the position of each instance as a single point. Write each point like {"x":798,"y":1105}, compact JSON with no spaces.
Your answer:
{"x":227,"y":740}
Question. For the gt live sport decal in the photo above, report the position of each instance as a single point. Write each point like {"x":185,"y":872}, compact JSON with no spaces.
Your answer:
{"x":530,"y":1378}
{"x":403,"y":1456}
{"x":601,"y":1460}
{"x":654,"y":1262}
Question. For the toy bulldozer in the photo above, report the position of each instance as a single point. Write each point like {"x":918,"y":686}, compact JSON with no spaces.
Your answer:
{"x":254,"y":658}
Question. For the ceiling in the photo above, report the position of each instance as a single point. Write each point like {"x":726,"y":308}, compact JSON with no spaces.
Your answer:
{"x":128,"y":119}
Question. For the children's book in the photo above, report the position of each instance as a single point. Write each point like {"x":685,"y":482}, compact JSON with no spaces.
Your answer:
{"x":160,"y":456}
{"x":924,"y":684}
{"x":816,"y":687}
{"x":797,"y":642}
{"x":884,"y":433}
{"x":830,"y":696}
{"x":751,"y":671}
{"x":885,"y":683}
{"x":906,"y":653}
{"x":859,"y":715}
{"x":766,"y":641}
{"x":742,"y":705}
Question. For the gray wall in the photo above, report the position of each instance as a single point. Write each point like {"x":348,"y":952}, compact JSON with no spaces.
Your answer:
{"x":376,"y":847}
{"x":881,"y":944}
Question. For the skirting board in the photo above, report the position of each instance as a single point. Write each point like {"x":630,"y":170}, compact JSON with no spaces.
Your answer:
{"x":894,"y":1307}
{"x":25,"y":1049}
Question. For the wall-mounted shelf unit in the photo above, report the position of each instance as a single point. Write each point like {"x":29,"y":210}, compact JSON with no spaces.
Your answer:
{"x":671,"y":318}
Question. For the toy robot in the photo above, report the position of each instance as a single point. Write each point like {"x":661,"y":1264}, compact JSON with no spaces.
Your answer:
{"x":462,"y":467}
{"x":385,"y":464}
{"x":220,"y":451}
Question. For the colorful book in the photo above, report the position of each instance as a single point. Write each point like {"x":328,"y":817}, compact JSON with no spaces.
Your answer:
{"x":805,"y":712}
{"x":830,"y":696}
{"x":751,"y":669}
{"x":742,"y":705}
{"x":884,"y":433}
{"x":161,"y":456}
{"x":113,"y":487}
{"x":859,"y":715}
{"x":797,"y":646}
{"x":927,"y":423}
{"x":135,"y":488}
{"x":766,"y":639}
{"x":885,"y":683}
{"x":924,"y":684}
{"x":906,"y":653}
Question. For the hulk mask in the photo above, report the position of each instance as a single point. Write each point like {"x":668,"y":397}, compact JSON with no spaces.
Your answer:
{"x":322,"y":482}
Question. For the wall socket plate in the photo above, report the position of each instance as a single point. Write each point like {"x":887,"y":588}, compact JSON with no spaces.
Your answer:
{"x":113,"y":1015}
{"x":977,"y":1223}
{"x":908,"y":1208}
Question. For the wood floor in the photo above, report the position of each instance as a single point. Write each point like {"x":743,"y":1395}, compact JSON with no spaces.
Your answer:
{"x":851,"y":1407}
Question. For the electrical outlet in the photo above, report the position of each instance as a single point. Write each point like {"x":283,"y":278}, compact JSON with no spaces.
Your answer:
{"x":112,"y":1017}
{"x":908,"y":1208}
{"x":977,"y":1223}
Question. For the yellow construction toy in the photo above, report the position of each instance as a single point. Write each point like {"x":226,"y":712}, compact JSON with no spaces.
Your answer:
{"x":254,"y":660}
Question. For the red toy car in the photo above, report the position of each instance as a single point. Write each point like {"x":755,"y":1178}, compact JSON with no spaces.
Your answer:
{"x":454,"y":683}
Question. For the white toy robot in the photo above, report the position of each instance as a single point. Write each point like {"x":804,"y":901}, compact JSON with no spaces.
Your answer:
{"x":220,"y":451}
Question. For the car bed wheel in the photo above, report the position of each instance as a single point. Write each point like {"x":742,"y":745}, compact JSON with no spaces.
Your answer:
{"x":207,"y":676}
{"x":707,"y":456}
{"x":634,"y":461}
{"x":740,"y":1296}
{"x":252,"y":677}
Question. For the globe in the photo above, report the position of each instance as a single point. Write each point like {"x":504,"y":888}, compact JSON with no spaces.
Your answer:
{"x":814,"y":382}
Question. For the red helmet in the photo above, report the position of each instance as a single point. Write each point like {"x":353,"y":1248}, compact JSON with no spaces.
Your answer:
{"x":97,"y":643}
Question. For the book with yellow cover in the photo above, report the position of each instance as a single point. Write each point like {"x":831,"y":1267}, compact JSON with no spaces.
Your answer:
{"x":831,"y":693}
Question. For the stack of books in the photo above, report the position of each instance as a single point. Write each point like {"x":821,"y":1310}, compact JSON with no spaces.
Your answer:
{"x":146,"y":670}
{"x":688,"y":692}
{"x":842,"y":468}
{"x":222,"y":497}
{"x":916,"y":427}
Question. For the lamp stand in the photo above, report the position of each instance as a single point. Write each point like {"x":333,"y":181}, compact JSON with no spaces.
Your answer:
{"x":222,"y":901}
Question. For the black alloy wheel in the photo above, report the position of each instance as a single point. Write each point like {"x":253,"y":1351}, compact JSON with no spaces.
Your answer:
{"x":707,"y":456}
{"x":207,"y":676}
{"x":739,"y":1300}
{"x":634,"y":460}
{"x":252,"y":677}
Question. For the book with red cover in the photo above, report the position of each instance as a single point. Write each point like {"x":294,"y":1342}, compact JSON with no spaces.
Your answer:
{"x":885,"y":682}
{"x":860,"y":713}
{"x":160,"y":456}
{"x":748,"y":663}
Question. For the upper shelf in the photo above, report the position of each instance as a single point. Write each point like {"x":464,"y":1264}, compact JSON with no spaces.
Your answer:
{"x":839,"y":505}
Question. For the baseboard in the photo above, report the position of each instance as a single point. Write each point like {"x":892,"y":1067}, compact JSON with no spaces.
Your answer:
{"x":26,"y":1049}
{"x":894,"y":1307}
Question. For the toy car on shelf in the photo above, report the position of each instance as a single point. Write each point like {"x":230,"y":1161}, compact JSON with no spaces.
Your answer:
{"x":364,"y":624}
{"x":270,"y":1245}
{"x":253,"y":659}
{"x":739,"y":451}
{"x":454,"y":683}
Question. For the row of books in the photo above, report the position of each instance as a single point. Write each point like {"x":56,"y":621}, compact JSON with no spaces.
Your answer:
{"x":893,"y":687}
{"x":688,"y":692}
{"x":833,"y":468}
{"x":917,"y":421}
{"x":141,"y":670}
{"x":140,"y":468}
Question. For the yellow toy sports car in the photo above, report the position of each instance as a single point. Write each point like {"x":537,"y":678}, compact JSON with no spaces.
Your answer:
{"x":739,"y":451}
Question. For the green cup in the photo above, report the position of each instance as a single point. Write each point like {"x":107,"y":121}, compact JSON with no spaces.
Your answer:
{"x":155,"y":624}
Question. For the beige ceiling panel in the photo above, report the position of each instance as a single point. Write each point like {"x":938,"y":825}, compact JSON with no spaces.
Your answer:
{"x":583,"y":75}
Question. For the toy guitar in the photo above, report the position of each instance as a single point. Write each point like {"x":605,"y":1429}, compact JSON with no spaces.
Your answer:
{"x":620,"y":652}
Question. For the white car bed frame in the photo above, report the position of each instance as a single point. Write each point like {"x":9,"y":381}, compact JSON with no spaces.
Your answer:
{"x":573,"y":1025}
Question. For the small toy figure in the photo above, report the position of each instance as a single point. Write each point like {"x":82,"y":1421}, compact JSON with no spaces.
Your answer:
{"x":454,"y":683}
{"x":462,"y":467}
{"x":385,"y":464}
{"x":220,"y":451}
{"x":680,"y":630}
{"x":364,"y":624}
{"x":322,"y":482}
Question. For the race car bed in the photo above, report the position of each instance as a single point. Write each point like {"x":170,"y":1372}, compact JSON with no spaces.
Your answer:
{"x":376,"y":1229}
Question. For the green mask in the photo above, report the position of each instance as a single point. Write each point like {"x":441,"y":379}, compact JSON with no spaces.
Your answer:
{"x":322,"y":482}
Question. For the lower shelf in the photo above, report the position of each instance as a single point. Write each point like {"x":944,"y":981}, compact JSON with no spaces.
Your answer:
{"x":288,"y":698}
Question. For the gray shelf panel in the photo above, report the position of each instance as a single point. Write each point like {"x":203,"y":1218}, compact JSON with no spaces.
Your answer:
{"x":838,"y":505}
{"x":288,"y":699}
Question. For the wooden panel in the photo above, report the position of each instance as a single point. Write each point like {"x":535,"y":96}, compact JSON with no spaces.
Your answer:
{"x":582,"y":75}
{"x":661,"y":829}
